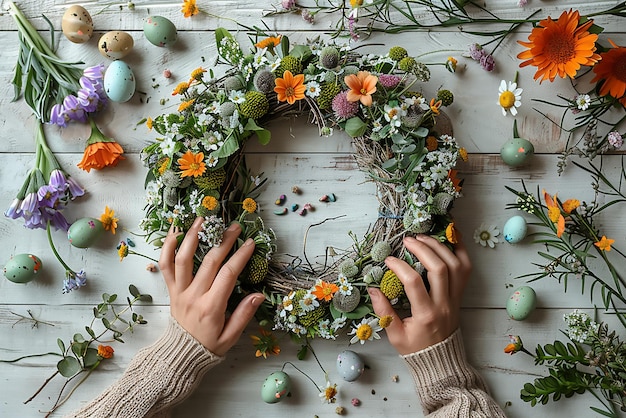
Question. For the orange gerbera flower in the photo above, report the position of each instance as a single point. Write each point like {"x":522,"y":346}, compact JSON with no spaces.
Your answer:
{"x":555,"y":211}
{"x":192,"y":165}
{"x":325,"y":291}
{"x":190,"y":8}
{"x":560,"y":47}
{"x":100,"y":151}
{"x":612,"y":71}
{"x":269,"y":42}
{"x":290,"y":88}
{"x":605,"y":243}
{"x":362,"y":85}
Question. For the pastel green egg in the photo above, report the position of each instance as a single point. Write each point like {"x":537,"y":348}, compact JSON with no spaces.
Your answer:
{"x":276,"y":387}
{"x":521,"y":303}
{"x":516,"y":151}
{"x":160,"y":31}
{"x":119,"y":81}
{"x":22,"y":268}
{"x":84,"y":232}
{"x":515,"y":229}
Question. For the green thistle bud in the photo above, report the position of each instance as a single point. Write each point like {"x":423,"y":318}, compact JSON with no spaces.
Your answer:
{"x":264,"y":81}
{"x":255,"y":106}
{"x":380,"y":251}
{"x":329,"y":57}
{"x":446,"y":97}
{"x":406,"y":64}
{"x":396,"y":53}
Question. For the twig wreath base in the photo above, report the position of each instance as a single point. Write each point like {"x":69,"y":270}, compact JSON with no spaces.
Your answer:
{"x":401,"y":140}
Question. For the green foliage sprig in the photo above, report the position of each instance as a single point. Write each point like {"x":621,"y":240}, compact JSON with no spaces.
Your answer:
{"x":84,"y":352}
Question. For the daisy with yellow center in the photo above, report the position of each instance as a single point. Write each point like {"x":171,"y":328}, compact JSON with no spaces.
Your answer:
{"x":189,"y":8}
{"x":108,"y":219}
{"x":209,"y":202}
{"x":366,"y":330}
{"x":560,"y":47}
{"x":192,"y":165}
{"x":605,"y":243}
{"x":290,"y":88}
{"x":329,"y":393}
{"x":249,"y":205}
{"x":509,"y":97}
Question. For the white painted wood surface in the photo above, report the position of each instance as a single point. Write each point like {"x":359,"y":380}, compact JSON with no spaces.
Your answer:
{"x":295,"y":156}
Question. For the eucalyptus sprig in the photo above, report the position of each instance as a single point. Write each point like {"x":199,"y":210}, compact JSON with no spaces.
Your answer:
{"x":80,"y":356}
{"x":42,"y":77}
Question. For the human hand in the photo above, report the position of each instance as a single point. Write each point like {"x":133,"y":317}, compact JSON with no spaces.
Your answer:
{"x":435,"y":315}
{"x":199,"y":302}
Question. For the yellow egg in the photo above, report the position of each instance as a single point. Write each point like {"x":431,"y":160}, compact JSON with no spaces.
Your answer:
{"x":115,"y":45}
{"x":77,"y":24}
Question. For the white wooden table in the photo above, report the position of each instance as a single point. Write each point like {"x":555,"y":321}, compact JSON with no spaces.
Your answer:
{"x":296,"y":156}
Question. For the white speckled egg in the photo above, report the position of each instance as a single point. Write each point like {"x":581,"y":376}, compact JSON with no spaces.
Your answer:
{"x":115,"y":45}
{"x":160,"y":31}
{"x":22,"y":268}
{"x":84,"y":232}
{"x":350,"y":366}
{"x":515,"y":229}
{"x":516,"y":151}
{"x":521,"y":303}
{"x":119,"y":81}
{"x":77,"y":24}
{"x":276,"y":387}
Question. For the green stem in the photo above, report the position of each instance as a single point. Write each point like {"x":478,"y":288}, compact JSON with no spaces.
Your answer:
{"x":56,"y":253}
{"x":29,"y":356}
{"x":306,"y":375}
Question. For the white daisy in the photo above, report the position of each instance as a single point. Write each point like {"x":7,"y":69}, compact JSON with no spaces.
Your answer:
{"x":509,"y":98}
{"x":583,"y":101}
{"x":367,"y":330}
{"x":487,"y":235}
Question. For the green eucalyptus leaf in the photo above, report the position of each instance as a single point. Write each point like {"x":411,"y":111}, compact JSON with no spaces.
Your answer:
{"x":61,"y":345}
{"x":132,"y":289}
{"x":78,"y":338}
{"x":68,"y":367}
{"x":355,"y":127}
{"x":91,"y":357}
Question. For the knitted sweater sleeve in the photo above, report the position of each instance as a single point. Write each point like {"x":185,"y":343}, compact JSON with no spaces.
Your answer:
{"x":447,"y":385}
{"x":158,"y":377}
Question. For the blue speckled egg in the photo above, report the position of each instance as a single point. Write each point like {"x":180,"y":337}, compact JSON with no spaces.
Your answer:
{"x":521,"y":303}
{"x":350,"y":366}
{"x":516,"y":151}
{"x":515,"y":229}
{"x":119,"y":81}
{"x":160,"y":31}
{"x":22,"y":268}
{"x":276,"y":387}
{"x":84,"y":232}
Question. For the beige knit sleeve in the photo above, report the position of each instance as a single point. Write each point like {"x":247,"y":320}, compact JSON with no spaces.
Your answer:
{"x":447,"y":385}
{"x":158,"y":377}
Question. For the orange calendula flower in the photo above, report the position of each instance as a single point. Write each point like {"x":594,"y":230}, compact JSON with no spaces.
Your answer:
{"x":456,"y":182}
{"x":325,"y":291}
{"x":269,"y":42}
{"x":209,"y":202}
{"x":515,"y":345}
{"x":555,"y":211}
{"x":290,"y":88}
{"x":249,"y":205}
{"x":362,"y":85}
{"x":192,"y":165}
{"x":451,"y":234}
{"x":105,"y":351}
{"x":185,"y":105}
{"x":560,"y":47}
{"x":612,"y":71}
{"x":108,"y":219}
{"x":605,"y":243}
{"x":265,"y":344}
{"x":100,"y":152}
{"x":189,"y":8}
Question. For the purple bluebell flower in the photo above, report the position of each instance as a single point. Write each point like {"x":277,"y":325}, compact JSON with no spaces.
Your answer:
{"x":74,"y":280}
{"x":58,"y":180}
{"x":55,"y":217}
{"x":76,"y":190}
{"x":73,"y":108}
{"x":48,"y":196}
{"x":58,"y":116}
{"x":81,"y":278}
{"x":88,"y":99}
{"x":14,"y":210}
{"x":29,"y":204}
{"x":95,"y":72}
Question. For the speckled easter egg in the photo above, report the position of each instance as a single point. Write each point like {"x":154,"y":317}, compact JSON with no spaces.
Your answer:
{"x":516,"y":151}
{"x":77,"y":25}
{"x":119,"y":81}
{"x":160,"y":31}
{"x":115,"y":45}
{"x":22,"y":268}
{"x":515,"y":229}
{"x":84,"y":232}
{"x":276,"y":387}
{"x":350,"y":366}
{"x":521,"y":303}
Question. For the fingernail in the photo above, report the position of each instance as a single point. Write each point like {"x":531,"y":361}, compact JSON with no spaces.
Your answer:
{"x":257,"y":300}
{"x":372,"y":292}
{"x":249,"y":241}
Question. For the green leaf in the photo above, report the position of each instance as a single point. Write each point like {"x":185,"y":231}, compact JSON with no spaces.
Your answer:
{"x":79,"y":348}
{"x":302,"y":352}
{"x":90,"y":332}
{"x":301,"y":51}
{"x":61,"y":345}
{"x":228,"y":148}
{"x":355,"y":127}
{"x":112,"y":298}
{"x":358,"y":313}
{"x":145,"y":298}
{"x":106,"y":323}
{"x":91,"y":357}
{"x":78,"y":338}
{"x":221,"y":33}
{"x":284,"y":46}
{"x":132,"y":289}
{"x":68,"y":367}
{"x":263,"y":134}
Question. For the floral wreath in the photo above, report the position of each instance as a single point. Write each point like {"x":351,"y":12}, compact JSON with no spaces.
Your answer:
{"x":197,"y":168}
